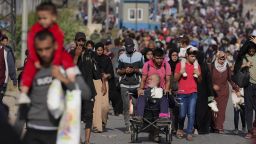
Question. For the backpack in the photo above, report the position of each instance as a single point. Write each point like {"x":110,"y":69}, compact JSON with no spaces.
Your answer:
{"x":148,"y":68}
{"x":242,"y":77}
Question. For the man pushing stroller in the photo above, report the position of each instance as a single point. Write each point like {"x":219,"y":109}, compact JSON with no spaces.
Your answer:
{"x":155,"y":83}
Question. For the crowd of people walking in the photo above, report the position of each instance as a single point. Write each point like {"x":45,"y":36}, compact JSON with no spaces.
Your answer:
{"x":199,"y":60}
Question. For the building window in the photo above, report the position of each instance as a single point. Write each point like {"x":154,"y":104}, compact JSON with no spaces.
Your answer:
{"x":133,"y":14}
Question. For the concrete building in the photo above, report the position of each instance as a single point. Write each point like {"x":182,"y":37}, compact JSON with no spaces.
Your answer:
{"x":139,"y":14}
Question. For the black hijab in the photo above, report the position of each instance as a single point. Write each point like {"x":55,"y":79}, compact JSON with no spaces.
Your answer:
{"x":145,"y":54}
{"x":103,"y":61}
{"x":201,"y":57}
{"x":171,"y":62}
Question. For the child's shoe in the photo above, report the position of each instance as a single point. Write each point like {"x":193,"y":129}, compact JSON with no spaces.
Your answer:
{"x":164,"y":118}
{"x":195,"y":75}
{"x":184,"y":74}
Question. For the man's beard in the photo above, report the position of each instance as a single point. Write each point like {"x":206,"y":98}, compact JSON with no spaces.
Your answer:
{"x":45,"y":62}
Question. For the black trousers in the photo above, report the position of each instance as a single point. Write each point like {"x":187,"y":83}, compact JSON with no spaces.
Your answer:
{"x":87,"y":113}
{"x":175,"y":118}
{"x":34,"y":136}
{"x":240,"y":111}
{"x":115,"y":96}
{"x":250,"y":104}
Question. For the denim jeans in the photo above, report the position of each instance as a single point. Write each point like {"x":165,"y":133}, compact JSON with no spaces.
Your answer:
{"x":187,"y":108}
{"x":126,"y":104}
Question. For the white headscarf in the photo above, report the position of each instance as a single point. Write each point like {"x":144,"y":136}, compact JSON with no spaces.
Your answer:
{"x":220,"y":68}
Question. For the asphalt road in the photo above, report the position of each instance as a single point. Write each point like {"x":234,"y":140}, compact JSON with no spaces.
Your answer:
{"x":115,"y":134}
{"x":115,"y":128}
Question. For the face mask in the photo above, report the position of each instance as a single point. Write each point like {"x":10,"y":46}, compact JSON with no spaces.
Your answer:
{"x":129,"y":49}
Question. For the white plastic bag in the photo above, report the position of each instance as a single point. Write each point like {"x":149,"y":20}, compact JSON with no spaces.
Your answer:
{"x":55,"y":99}
{"x":237,"y":101}
{"x":69,"y":127}
{"x":157,"y":93}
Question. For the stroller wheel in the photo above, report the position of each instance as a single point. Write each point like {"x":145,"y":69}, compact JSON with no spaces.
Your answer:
{"x":168,"y":138}
{"x":169,"y":135}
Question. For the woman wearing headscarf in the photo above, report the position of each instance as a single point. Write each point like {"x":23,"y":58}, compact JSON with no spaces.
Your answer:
{"x":205,"y":89}
{"x":101,"y":105}
{"x":221,"y":75}
{"x":148,"y":55}
{"x":173,"y":60}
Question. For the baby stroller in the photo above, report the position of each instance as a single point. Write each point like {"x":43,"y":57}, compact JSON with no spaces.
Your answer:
{"x":150,"y":119}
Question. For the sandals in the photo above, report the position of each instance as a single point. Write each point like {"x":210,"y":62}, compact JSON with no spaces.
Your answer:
{"x":95,"y":130}
{"x":219,"y":131}
{"x":189,"y":137}
{"x":180,"y":134}
{"x":248,"y":136}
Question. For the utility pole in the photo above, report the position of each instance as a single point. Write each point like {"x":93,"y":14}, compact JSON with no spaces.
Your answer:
{"x":180,"y":7}
{"x":24,"y":30}
{"x":136,"y":15}
{"x":107,"y":16}
{"x":89,"y":11}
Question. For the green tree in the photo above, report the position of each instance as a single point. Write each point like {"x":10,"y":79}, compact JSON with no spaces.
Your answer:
{"x":66,"y":21}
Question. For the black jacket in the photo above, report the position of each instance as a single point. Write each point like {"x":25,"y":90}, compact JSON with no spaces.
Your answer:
{"x":241,"y":54}
{"x":89,"y":69}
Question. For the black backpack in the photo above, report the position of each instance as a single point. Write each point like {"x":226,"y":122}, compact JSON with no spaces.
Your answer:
{"x":242,"y":77}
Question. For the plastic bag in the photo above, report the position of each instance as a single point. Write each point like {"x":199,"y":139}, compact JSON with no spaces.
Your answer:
{"x":157,"y":93}
{"x":69,"y":127}
{"x":237,"y":101}
{"x":55,"y":99}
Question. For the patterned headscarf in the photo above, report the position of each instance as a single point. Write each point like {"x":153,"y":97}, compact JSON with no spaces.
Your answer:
{"x":221,"y":67}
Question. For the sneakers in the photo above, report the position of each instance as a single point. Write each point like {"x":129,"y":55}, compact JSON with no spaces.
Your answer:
{"x":196,"y":132}
{"x":189,"y":137}
{"x":248,"y":135}
{"x":157,"y":138}
{"x":244,"y":130}
{"x":184,"y":74}
{"x":163,"y":120}
{"x":213,"y":106}
{"x":127,"y":130}
{"x":195,"y":75}
{"x":24,"y":99}
{"x":236,"y":131}
{"x":180,"y":134}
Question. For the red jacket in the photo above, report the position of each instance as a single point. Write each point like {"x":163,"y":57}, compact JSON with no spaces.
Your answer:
{"x":61,"y":57}
{"x":58,"y":36}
